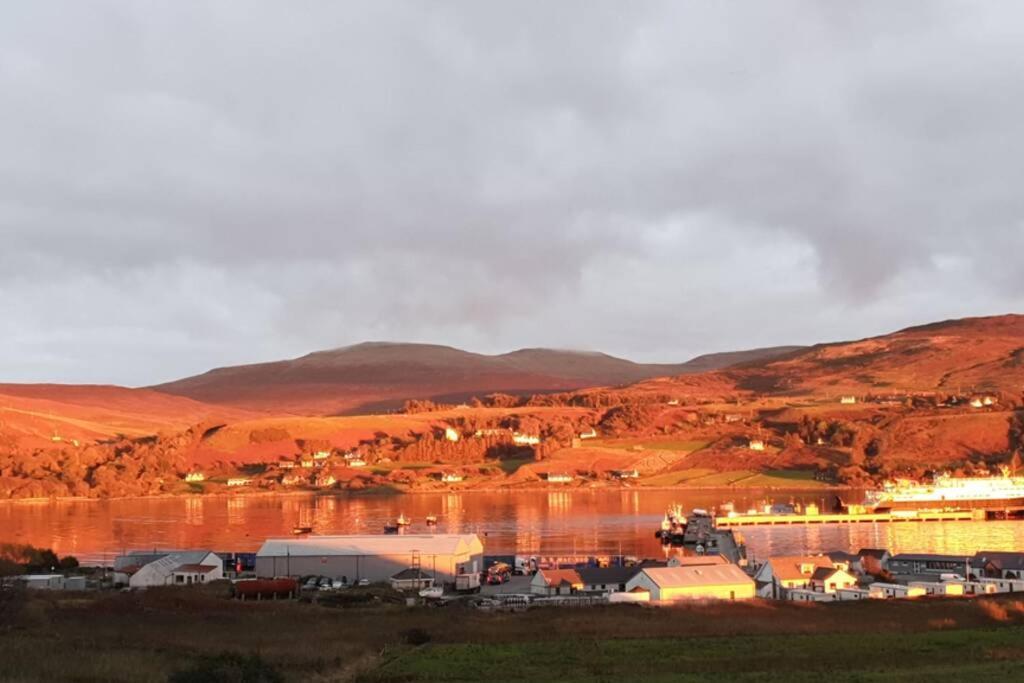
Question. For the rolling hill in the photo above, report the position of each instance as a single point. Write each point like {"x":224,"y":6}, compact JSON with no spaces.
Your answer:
{"x":377,"y":376}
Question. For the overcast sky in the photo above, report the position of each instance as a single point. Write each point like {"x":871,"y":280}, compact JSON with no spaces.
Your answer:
{"x":193,"y":184}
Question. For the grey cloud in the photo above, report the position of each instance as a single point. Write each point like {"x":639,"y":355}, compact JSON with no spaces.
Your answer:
{"x":224,"y":182}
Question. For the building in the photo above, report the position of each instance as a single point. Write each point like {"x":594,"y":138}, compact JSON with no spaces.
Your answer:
{"x":324,"y":480}
{"x":238,"y":481}
{"x":976,"y":403}
{"x":195,"y":476}
{"x":848,"y":400}
{"x":939,"y":587}
{"x":872,"y":561}
{"x":831,"y":579}
{"x":627,"y":474}
{"x":321,"y":455}
{"x":559,"y":478}
{"x":168,"y":568}
{"x":1001,"y":585}
{"x":606,"y":579}
{"x":525,"y":439}
{"x":852,"y":594}
{"x":780,"y":574}
{"x":884,"y":591}
{"x":451,"y":478}
{"x":804,"y":595}
{"x":924,"y":563}
{"x":412,"y":579}
{"x":372,"y":557}
{"x":589,"y":434}
{"x":52,"y":582}
{"x":756,"y":445}
{"x":998,"y":564}
{"x":357,"y":462}
{"x":451,"y":434}
{"x":708,"y":582}
{"x":556,"y":582}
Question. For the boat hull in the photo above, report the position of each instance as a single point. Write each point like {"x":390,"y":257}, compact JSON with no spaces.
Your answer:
{"x":967,"y":504}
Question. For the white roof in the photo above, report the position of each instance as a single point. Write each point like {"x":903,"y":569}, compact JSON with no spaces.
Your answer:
{"x":708,"y":575}
{"x":380,"y":544}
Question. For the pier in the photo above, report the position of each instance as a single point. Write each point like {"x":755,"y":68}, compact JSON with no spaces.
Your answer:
{"x":852,"y":518}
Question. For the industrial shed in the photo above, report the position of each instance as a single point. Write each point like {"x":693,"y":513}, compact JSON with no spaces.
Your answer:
{"x":372,"y":557}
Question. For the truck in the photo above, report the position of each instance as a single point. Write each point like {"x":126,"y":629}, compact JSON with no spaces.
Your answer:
{"x":467,"y":583}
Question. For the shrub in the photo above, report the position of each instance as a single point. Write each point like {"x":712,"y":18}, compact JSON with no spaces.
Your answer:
{"x":416,"y":636}
{"x":228,"y":667}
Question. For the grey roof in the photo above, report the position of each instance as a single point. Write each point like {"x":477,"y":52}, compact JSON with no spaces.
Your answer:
{"x":926,"y":557}
{"x":1001,"y":559}
{"x":141,"y":558}
{"x":606,"y":575}
{"x":412,"y":573}
{"x":372,"y":545}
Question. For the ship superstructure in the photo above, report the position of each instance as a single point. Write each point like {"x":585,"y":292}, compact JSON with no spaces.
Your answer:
{"x":948,"y":492}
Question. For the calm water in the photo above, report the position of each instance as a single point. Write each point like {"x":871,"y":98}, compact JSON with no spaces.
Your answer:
{"x":528,"y":523}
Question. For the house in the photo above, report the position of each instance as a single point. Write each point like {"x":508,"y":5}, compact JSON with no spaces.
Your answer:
{"x":286,"y":464}
{"x":926,"y":563}
{"x":884,"y":591}
{"x":976,"y":403}
{"x":848,"y":400}
{"x":324,"y":480}
{"x":939,"y":587}
{"x":804,"y":595}
{"x":451,"y":434}
{"x":843,"y":560}
{"x":871,"y":561}
{"x":637,"y":595}
{"x":239,"y":481}
{"x":321,"y":455}
{"x":180,"y":567}
{"x":559,"y":478}
{"x":589,"y":434}
{"x":999,"y":564}
{"x":307,"y":463}
{"x":831,"y":579}
{"x":556,"y":582}
{"x":606,"y":579}
{"x":627,"y":474}
{"x":756,"y":445}
{"x":451,"y":478}
{"x":357,"y":462}
{"x":291,"y":480}
{"x":733,"y":417}
{"x":483,"y":433}
{"x":525,"y":439}
{"x":852,"y":594}
{"x":780,"y":574}
{"x":667,"y":585}
{"x":412,"y":579}
{"x":195,"y":476}
{"x":376,"y":557}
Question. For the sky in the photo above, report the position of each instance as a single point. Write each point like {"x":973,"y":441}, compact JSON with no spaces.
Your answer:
{"x":189,"y":185}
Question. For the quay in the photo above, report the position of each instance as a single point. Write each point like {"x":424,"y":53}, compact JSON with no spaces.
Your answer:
{"x":850,"y":518}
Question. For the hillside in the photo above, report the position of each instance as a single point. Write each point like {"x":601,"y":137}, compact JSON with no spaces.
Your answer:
{"x":377,"y":376}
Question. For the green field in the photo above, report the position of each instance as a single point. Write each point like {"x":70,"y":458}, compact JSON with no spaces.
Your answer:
{"x":980,"y":654}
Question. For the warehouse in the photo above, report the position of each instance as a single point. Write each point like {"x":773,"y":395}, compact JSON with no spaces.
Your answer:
{"x":670,"y":584}
{"x":375,"y":558}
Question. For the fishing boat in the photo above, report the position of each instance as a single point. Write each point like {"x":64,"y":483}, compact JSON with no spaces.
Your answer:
{"x":431,"y":520}
{"x":403,"y":520}
{"x":302,"y":530}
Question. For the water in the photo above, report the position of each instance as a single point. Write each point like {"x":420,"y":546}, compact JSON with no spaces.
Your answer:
{"x":522,"y":522}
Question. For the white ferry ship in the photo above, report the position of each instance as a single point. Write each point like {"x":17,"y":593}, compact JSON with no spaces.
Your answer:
{"x":946,"y":492}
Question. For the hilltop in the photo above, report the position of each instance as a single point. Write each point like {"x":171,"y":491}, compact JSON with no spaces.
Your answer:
{"x":380,"y":376}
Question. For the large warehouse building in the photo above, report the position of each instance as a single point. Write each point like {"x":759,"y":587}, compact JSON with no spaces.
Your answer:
{"x":376,"y":558}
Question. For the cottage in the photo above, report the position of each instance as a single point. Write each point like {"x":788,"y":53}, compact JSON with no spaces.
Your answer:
{"x":556,"y":582}
{"x":372,"y":557}
{"x":780,"y":574}
{"x":412,"y":579}
{"x":883,"y":591}
{"x":709,"y":582}
{"x":184,"y":567}
{"x":925,"y":563}
{"x":756,"y":445}
{"x":830,"y":579}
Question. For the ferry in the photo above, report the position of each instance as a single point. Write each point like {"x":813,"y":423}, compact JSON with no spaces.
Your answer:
{"x":946,"y":492}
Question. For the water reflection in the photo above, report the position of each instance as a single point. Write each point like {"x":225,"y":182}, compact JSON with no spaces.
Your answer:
{"x":528,"y":523}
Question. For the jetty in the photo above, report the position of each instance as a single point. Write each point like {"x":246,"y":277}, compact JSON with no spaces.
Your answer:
{"x":738,"y":520}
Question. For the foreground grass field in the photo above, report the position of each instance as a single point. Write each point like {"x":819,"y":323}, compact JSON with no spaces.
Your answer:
{"x":192,"y":635}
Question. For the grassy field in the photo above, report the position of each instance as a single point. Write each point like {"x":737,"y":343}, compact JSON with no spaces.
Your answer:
{"x":182,"y":634}
{"x":740,"y":478}
{"x":680,"y":445}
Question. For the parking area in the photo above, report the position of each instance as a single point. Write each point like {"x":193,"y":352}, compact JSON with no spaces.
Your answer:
{"x":517,"y":584}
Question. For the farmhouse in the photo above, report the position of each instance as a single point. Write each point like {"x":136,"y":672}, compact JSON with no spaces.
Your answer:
{"x":171,"y":568}
{"x":709,"y":582}
{"x":372,"y":557}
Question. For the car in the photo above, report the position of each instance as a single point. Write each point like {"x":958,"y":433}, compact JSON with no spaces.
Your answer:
{"x":434,"y":593}
{"x":363,"y":582}
{"x":338,"y":584}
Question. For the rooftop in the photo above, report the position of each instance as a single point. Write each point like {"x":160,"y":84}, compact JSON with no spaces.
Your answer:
{"x":369,"y":544}
{"x":711,"y":575}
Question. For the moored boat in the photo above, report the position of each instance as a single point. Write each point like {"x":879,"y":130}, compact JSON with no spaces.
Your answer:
{"x":946,"y":492}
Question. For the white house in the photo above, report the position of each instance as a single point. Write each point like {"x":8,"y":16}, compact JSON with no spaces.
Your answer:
{"x":848,"y":400}
{"x":830,"y":579}
{"x":788,"y":572}
{"x":181,"y":568}
{"x":939,"y":587}
{"x":559,"y":478}
{"x":195,"y":476}
{"x":525,"y":439}
{"x":589,"y":434}
{"x":451,"y":434}
{"x":451,"y":477}
{"x":756,"y":445}
{"x":556,"y":582}
{"x":238,"y":481}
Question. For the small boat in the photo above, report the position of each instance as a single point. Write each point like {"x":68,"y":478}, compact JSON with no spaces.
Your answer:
{"x":403,"y":520}
{"x":431,"y":520}
{"x":302,"y":530}
{"x":391,"y":528}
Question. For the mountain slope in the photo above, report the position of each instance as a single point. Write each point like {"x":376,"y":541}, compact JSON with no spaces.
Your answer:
{"x":380,"y":375}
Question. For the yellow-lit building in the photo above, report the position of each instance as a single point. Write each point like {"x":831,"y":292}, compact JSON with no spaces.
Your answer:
{"x":708,"y":582}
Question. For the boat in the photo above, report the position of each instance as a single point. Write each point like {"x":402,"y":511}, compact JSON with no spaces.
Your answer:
{"x":946,"y":492}
{"x":431,"y":520}
{"x":302,"y":530}
{"x":403,"y":520}
{"x":391,"y":528}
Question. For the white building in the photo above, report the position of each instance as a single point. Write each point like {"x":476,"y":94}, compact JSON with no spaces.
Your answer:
{"x":756,"y":445}
{"x":852,"y":593}
{"x":804,"y":595}
{"x":707,"y":582}
{"x":848,"y":400}
{"x":451,"y":478}
{"x":525,"y":439}
{"x":173,"y":568}
{"x":451,"y":434}
{"x":238,"y":481}
{"x":589,"y":434}
{"x":52,"y":582}
{"x":939,"y":587}
{"x":884,"y":591}
{"x":559,"y":478}
{"x":195,"y":476}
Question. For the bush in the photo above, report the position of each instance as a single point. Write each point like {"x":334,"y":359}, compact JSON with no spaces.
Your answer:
{"x":228,"y":667}
{"x":416,"y":636}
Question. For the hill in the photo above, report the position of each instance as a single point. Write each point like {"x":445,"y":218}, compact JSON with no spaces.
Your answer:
{"x":377,"y":376}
